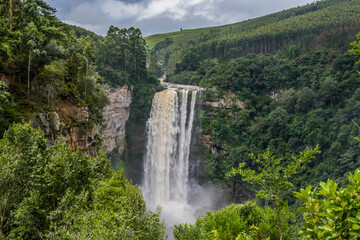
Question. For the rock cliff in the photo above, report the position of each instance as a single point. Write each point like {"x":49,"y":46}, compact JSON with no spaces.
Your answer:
{"x":71,"y":123}
{"x":115,"y":116}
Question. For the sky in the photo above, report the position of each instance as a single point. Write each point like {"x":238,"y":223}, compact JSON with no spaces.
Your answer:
{"x":161,"y":16}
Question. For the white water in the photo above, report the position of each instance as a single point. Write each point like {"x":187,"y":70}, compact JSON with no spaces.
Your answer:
{"x":166,"y":167}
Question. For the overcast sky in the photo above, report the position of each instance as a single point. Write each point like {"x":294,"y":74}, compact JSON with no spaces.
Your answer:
{"x":160,"y":16}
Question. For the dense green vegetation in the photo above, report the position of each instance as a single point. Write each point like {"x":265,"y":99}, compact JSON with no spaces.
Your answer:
{"x":237,"y":221}
{"x":46,"y":62}
{"x":334,"y":215}
{"x":273,"y":178}
{"x":330,"y":212}
{"x":293,"y":98}
{"x":54,"y":193}
{"x":289,"y":103}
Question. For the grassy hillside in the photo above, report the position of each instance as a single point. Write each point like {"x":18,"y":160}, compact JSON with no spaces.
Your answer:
{"x":178,"y":37}
{"x":265,"y":34}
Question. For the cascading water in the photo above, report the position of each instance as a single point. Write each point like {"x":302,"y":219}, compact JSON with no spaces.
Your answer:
{"x":169,"y":136}
{"x":166,"y":167}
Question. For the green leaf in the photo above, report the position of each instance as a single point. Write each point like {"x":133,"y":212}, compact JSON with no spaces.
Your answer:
{"x":302,"y":209}
{"x":324,"y":186}
{"x":325,"y":228}
{"x":338,"y":214}
{"x":355,"y":226}
{"x":351,"y":219}
{"x":354,"y":234}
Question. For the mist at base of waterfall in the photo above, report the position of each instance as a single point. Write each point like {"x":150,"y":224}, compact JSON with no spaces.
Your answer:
{"x":201,"y":199}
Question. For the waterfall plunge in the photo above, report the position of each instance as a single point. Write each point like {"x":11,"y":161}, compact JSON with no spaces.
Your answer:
{"x":166,"y":168}
{"x":169,"y":136}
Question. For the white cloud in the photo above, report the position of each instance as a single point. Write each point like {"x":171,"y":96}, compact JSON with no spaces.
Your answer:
{"x":119,"y":10}
{"x":174,"y":9}
{"x":156,"y":16}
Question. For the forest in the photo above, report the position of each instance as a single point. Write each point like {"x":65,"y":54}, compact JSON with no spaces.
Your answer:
{"x":292,"y":143}
{"x":292,"y":99}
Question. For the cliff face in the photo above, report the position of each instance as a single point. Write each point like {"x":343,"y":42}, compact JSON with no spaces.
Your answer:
{"x":115,"y":116}
{"x":71,"y":123}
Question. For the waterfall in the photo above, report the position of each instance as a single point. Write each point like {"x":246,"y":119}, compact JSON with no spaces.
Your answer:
{"x":166,"y":180}
{"x":169,"y":129}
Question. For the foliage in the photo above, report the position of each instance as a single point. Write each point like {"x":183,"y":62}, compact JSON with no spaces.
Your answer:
{"x":236,"y":221}
{"x":8,"y":111}
{"x":274,"y":178}
{"x":42,"y":56}
{"x":154,"y":64}
{"x":4,"y":95}
{"x":118,"y":212}
{"x":49,"y":192}
{"x":311,"y":99}
{"x":356,"y":48}
{"x":121,"y":56}
{"x":331,"y":213}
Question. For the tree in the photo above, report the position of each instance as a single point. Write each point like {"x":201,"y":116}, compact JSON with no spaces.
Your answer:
{"x":52,"y":192}
{"x":121,"y":56}
{"x":329,"y":92}
{"x":118,"y":212}
{"x":237,"y":221}
{"x":356,"y":48}
{"x":331,"y":213}
{"x":288,"y":99}
{"x":4,"y":95}
{"x":273,"y":178}
{"x":34,"y":40}
{"x":305,"y":99}
{"x":11,"y":12}
{"x":277,"y":120}
{"x":154,"y":64}
{"x":190,"y":62}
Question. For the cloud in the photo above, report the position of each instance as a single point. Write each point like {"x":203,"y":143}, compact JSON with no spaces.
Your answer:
{"x":157,"y":16}
{"x":119,"y":10}
{"x":173,"y":9}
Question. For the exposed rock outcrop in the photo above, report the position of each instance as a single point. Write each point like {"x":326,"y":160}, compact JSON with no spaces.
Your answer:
{"x":228,"y":101}
{"x":71,"y":123}
{"x":115,"y":116}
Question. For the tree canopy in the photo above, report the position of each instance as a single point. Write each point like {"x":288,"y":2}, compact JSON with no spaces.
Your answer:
{"x":52,"y":192}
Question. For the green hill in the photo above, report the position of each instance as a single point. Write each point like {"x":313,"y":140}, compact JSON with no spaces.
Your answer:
{"x":266,"y":34}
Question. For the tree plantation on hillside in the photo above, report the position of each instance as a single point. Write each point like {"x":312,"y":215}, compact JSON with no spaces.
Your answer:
{"x":325,"y":21}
